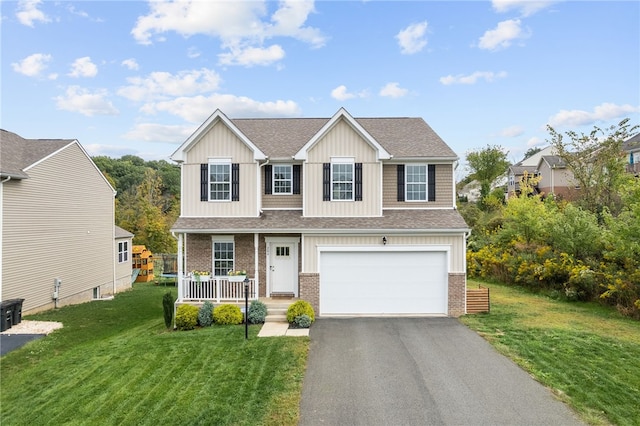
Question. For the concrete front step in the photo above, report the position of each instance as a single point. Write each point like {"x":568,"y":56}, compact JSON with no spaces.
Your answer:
{"x":275,"y":318}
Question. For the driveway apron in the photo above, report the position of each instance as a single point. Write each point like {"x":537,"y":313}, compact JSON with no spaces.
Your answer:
{"x":417,"y":371}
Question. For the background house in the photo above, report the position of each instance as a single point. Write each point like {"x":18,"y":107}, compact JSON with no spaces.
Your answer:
{"x":529,"y":166}
{"x":57,"y":225}
{"x":631,"y":149}
{"x":354,"y":215}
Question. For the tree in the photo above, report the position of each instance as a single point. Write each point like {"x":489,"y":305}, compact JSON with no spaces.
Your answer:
{"x":486,"y":165}
{"x":596,"y":163}
{"x":532,"y":151}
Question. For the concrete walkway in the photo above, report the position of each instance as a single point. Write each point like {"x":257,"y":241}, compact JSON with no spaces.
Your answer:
{"x":271,"y":329}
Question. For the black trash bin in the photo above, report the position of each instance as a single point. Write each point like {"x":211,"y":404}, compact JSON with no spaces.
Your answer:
{"x":17,"y":311}
{"x":6,"y":315}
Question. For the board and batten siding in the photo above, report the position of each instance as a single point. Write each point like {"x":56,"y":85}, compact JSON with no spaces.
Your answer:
{"x":444,"y":188}
{"x":312,"y":242}
{"x":342,"y":141}
{"x":58,"y":223}
{"x":219,"y":142}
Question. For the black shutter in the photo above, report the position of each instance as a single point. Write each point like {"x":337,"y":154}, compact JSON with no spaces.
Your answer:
{"x":204,"y":182}
{"x":235,"y":182}
{"x":326,"y":182}
{"x":431,"y":182}
{"x":296,"y":178}
{"x":400,"y":182}
{"x":358,"y":182}
{"x":268,"y":170}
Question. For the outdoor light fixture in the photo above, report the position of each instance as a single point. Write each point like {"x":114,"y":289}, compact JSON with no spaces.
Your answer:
{"x":384,"y":241}
{"x":246,"y":308}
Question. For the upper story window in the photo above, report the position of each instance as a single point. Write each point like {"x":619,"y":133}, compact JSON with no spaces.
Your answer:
{"x":512,"y":179}
{"x":342,"y":180}
{"x":220,"y":181}
{"x":282,"y":179}
{"x":123,"y":251}
{"x":416,"y":182}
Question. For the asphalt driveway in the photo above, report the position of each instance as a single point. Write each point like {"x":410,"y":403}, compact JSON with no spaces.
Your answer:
{"x":417,"y":371}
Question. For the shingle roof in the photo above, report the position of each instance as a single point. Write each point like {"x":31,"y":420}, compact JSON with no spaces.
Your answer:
{"x":403,"y":137}
{"x":631,"y":144}
{"x":122,"y":233}
{"x":293,"y":221}
{"x":17,"y":153}
{"x":554,"y":161}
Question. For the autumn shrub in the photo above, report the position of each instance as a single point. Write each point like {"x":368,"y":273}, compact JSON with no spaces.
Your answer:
{"x":186,"y":317}
{"x":227,"y":314}
{"x":301,"y":307}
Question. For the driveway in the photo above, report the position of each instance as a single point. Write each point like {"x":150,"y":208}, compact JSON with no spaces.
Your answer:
{"x":417,"y":371}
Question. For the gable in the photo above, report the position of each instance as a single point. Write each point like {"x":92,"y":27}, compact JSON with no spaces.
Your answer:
{"x":342,"y":141}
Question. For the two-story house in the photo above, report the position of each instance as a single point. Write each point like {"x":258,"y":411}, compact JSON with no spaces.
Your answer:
{"x":354,"y":215}
{"x":631,"y":149}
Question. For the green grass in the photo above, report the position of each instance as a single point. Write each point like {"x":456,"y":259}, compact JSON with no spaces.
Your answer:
{"x":587,"y":354}
{"x":114,"y":363}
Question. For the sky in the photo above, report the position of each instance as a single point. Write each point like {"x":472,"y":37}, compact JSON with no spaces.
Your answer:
{"x":137,"y":77}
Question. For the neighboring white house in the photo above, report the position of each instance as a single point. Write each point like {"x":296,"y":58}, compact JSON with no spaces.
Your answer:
{"x":631,"y":149}
{"x":354,"y":215}
{"x":57,"y":225}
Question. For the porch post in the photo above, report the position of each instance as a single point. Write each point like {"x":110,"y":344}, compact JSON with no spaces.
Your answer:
{"x":256,"y":280}
{"x":179,"y":278}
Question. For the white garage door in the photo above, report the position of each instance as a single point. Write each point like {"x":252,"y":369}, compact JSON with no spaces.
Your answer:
{"x":383,"y":282}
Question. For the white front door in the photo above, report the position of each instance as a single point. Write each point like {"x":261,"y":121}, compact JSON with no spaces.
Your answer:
{"x":283,"y":266}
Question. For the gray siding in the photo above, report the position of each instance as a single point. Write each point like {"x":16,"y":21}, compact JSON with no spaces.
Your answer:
{"x":444,"y":188}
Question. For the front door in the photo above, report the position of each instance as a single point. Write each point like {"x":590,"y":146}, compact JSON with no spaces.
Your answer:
{"x":283,"y":267}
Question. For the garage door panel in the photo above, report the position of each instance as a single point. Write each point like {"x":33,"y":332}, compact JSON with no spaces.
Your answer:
{"x":364,"y":282}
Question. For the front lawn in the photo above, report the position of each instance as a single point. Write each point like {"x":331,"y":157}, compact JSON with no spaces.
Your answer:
{"x":589,"y":355}
{"x":115,"y":363}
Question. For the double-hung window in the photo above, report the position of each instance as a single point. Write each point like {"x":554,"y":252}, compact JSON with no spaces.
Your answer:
{"x":342,"y":178}
{"x":282,"y":179}
{"x":416,"y":182}
{"x":123,"y":251}
{"x":220,"y":181}
{"x":223,"y":255}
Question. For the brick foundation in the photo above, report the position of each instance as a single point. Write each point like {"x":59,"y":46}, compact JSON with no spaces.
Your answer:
{"x":310,"y":289}
{"x":457,"y":294}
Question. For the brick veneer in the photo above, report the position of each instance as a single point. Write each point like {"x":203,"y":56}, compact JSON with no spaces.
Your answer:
{"x":457,"y":294}
{"x":310,"y":289}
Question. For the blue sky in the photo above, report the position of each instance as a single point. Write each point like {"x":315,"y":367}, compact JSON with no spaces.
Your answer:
{"x":134,"y":77}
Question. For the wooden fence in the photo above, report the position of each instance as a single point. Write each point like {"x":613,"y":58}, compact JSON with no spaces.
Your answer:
{"x":478,"y":300}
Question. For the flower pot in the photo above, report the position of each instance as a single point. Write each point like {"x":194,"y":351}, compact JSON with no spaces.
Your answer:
{"x":202,"y":277}
{"x":237,"y":278}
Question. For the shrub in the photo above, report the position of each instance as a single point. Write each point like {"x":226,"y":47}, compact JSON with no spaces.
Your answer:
{"x":227,"y":314}
{"x":167,"y":307}
{"x":300,"y":307}
{"x":186,"y":317}
{"x":257,"y":312}
{"x":302,"y":321}
{"x":205,"y":314}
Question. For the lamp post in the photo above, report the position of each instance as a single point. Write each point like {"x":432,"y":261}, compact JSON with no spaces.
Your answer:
{"x":246,"y":308}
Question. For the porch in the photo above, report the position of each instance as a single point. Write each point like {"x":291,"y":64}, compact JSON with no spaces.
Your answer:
{"x":214,"y":289}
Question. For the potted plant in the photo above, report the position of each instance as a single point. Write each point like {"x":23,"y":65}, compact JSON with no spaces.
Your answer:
{"x":237,"y":276}
{"x":201,"y":275}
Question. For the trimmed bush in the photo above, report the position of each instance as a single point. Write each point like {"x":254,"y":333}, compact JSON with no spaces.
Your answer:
{"x":205,"y":314}
{"x":186,"y":317}
{"x":302,"y":321}
{"x":300,"y":307}
{"x":167,"y":307}
{"x":257,"y":312}
{"x":227,"y":315}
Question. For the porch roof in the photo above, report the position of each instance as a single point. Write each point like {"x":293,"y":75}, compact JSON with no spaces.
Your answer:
{"x":279,"y":221}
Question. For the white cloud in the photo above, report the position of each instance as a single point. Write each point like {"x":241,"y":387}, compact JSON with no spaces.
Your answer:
{"x":512,"y":132}
{"x":77,"y":99}
{"x":33,"y":65}
{"x":153,"y":132}
{"x":252,"y":56}
{"x":488,"y":76}
{"x":526,"y":7}
{"x":130,"y":63}
{"x":196,"y":109}
{"x":393,"y":90}
{"x":193,"y":52}
{"x":28,"y":12}
{"x":502,"y":36}
{"x":603,"y":112}
{"x":240,"y":25}
{"x":161,"y":85}
{"x":83,"y":67}
{"x":412,"y":39}
{"x":340,"y":93}
{"x":535,"y":141}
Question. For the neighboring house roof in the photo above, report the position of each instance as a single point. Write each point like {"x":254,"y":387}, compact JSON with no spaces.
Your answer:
{"x":282,"y":138}
{"x":533,"y":160}
{"x":519,"y":170}
{"x":18,"y":154}
{"x":632,"y":144}
{"x":553,"y":161}
{"x":122,"y":233}
{"x":292,"y":221}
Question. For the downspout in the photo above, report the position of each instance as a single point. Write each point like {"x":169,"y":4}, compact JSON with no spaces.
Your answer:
{"x":2,"y":220}
{"x":259,"y":191}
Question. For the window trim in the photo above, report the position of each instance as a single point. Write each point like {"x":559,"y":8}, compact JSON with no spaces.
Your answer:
{"x":123,"y":255}
{"x":341,"y":161}
{"x":425,"y":183}
{"x":222,"y":239}
{"x":220,"y":162}
{"x":274,"y":180}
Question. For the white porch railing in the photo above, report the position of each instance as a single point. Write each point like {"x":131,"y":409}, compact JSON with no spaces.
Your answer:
{"x":215,"y":290}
